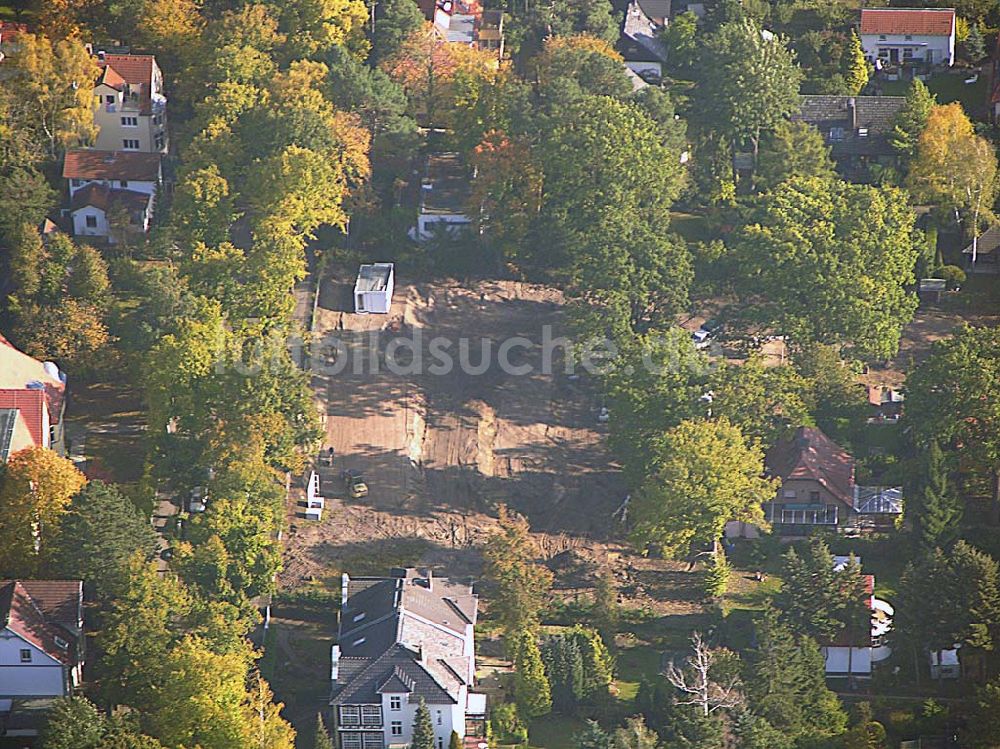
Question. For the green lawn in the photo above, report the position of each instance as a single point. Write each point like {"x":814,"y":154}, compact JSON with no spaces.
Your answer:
{"x":948,"y":87}
{"x":554,"y":732}
{"x":634,"y":665}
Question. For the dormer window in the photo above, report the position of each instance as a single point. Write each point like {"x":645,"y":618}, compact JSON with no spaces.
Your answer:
{"x":862,"y":132}
{"x":359,"y":617}
{"x":359,"y":641}
{"x":61,"y":643}
{"x":836,"y":133}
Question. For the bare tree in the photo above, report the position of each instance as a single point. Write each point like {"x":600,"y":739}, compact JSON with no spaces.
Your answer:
{"x":697,"y":683}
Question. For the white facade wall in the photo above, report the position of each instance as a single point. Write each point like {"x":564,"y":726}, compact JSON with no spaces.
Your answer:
{"x":80,"y":228}
{"x":149,"y":188}
{"x":113,"y":131}
{"x":935,"y":49}
{"x":452,"y":221}
{"x":43,"y":676}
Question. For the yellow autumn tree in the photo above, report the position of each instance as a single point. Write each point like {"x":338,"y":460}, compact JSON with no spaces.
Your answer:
{"x":57,"y":78}
{"x":314,"y":26}
{"x":36,"y":489}
{"x":954,"y":167}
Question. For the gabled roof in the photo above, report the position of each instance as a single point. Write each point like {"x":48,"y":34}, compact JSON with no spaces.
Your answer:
{"x":110,"y":77}
{"x":133,"y":69}
{"x":18,"y":371}
{"x":14,"y":433}
{"x":38,"y":612}
{"x":30,"y":406}
{"x":364,"y":687}
{"x":87,"y":163}
{"x":809,"y":454}
{"x":916,"y":21}
{"x":988,"y":242}
{"x":102,"y":197}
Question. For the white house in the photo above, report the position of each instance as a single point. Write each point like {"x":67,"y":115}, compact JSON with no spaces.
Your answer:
{"x":41,"y":638}
{"x":443,"y":195}
{"x":32,"y":402}
{"x":373,"y":289}
{"x":130,"y":108}
{"x":101,"y":181}
{"x":908,"y":35}
{"x":405,"y":639}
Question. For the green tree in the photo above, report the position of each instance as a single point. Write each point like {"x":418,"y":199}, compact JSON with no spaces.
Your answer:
{"x":395,"y":20}
{"x":764,"y":402}
{"x":522,"y":587}
{"x":975,"y":47}
{"x":785,"y":683}
{"x":938,"y":507}
{"x":755,"y":732}
{"x":912,"y":119}
{"x":423,"y":731}
{"x":792,"y":149}
{"x":606,"y":613}
{"x":831,"y":262}
{"x":593,"y":737}
{"x":98,"y":536}
{"x":532,"y":691}
{"x":455,"y":742}
{"x":73,"y":723}
{"x":25,"y":198}
{"x":982,"y":729}
{"x":681,"y":38}
{"x":867,"y":733}
{"x":323,"y":740}
{"x":564,"y":671}
{"x":954,"y":397}
{"x":816,"y":599}
{"x":717,"y":573}
{"x":750,"y":81}
{"x":203,"y":208}
{"x":634,"y":735}
{"x":857,"y":68}
{"x":706,"y":474}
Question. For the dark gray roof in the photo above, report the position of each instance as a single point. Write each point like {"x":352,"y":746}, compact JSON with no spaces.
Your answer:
{"x":640,"y":40}
{"x":445,"y":188}
{"x":988,"y":242}
{"x":8,"y":420}
{"x":406,"y":633}
{"x":368,"y":682}
{"x":863,"y":133}
{"x":655,"y":9}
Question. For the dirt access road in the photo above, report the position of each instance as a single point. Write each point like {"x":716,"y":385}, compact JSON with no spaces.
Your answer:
{"x":440,"y":449}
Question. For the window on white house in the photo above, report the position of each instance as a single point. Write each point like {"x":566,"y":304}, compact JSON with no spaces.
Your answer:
{"x":439,"y":717}
{"x":908,"y":38}
{"x":123,"y":183}
{"x":350,"y":740}
{"x":76,"y":182}
{"x":440,"y":743}
{"x":371,"y":715}
{"x":91,"y":222}
{"x":395,"y":703}
{"x":373,"y":740}
{"x":130,"y":144}
{"x":881,"y":37}
{"x":110,"y":99}
{"x":350,"y":715}
{"x":130,"y":122}
{"x":396,"y":728}
{"x":25,"y":656}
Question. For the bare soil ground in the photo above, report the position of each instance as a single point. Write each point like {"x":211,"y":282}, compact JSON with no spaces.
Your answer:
{"x":440,"y":451}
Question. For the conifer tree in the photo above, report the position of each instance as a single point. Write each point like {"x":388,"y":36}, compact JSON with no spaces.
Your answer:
{"x":532,"y":691}
{"x":939,"y":510}
{"x":323,"y":740}
{"x":423,"y":731}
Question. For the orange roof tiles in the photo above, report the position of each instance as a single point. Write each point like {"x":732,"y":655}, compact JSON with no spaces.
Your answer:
{"x":914,"y":21}
{"x":31,"y":404}
{"x":85,"y":163}
{"x":27,"y":616}
{"x":133,"y":69}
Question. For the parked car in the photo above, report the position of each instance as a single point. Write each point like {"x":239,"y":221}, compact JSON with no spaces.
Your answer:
{"x":355,"y":483}
{"x":702,"y":339}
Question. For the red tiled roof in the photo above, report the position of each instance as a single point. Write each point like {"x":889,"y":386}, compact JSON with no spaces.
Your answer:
{"x":102,"y":197}
{"x":133,"y":69}
{"x":810,"y":454}
{"x":86,"y":163}
{"x":31,"y":619}
{"x":931,"y":22}
{"x":110,"y":77}
{"x":31,"y":404}
{"x":10,"y":29}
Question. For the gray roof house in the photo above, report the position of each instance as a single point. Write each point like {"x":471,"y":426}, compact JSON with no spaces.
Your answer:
{"x":856,"y":128}
{"x":404,"y":639}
